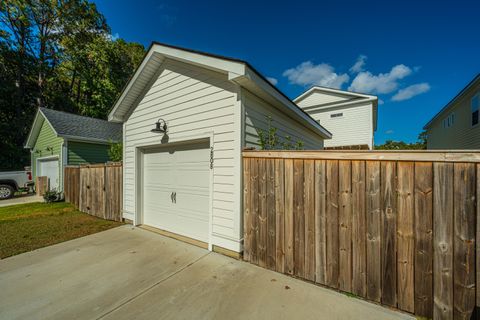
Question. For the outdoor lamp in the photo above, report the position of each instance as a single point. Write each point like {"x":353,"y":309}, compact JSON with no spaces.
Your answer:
{"x":158,"y":126}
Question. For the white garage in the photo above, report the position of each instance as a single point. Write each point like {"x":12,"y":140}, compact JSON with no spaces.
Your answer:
{"x":176,"y":188}
{"x":186,"y":117}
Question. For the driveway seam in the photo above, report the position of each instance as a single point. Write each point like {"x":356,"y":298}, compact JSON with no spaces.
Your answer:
{"x":151,"y":287}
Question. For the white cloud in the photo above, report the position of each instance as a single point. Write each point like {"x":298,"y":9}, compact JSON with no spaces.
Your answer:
{"x":272,"y":80}
{"x":389,"y":132}
{"x":322,"y":74}
{"x":382,"y":83}
{"x":359,"y":64}
{"x":411,"y":91}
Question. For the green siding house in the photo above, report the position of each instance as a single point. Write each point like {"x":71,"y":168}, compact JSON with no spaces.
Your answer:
{"x":58,"y":138}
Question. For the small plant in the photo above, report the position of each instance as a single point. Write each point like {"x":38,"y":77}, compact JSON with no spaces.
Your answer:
{"x":115,"y":151}
{"x":52,"y":196}
{"x":269,"y":139}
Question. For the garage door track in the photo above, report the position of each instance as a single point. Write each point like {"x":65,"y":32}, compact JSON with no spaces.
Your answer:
{"x":127,"y":273}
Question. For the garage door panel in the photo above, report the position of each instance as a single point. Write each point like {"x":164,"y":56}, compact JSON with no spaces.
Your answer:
{"x":185,"y":170}
{"x":50,"y":169}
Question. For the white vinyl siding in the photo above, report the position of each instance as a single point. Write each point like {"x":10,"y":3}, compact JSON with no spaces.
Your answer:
{"x":354,"y":127}
{"x":256,"y":111}
{"x":194,"y":101}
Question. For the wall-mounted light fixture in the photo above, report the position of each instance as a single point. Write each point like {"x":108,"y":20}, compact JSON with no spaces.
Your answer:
{"x":159,"y":128}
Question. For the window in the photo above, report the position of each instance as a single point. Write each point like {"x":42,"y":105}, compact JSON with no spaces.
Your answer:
{"x":336,"y":115}
{"x":475,"y":106}
{"x":449,"y":121}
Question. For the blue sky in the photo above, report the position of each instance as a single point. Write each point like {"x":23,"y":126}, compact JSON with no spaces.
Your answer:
{"x":415,"y":55}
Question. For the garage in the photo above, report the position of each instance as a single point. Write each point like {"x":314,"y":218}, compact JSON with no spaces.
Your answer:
{"x":179,"y":95}
{"x":49,"y":168}
{"x":176,"y":189}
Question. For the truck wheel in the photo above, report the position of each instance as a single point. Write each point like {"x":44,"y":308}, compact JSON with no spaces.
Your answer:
{"x":6,"y":191}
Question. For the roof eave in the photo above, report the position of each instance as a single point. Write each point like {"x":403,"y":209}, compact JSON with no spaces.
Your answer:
{"x":87,"y":139}
{"x":337,"y":91}
{"x":451,"y":102}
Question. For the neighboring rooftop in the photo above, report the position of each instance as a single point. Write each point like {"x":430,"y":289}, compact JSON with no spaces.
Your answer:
{"x":74,"y":126}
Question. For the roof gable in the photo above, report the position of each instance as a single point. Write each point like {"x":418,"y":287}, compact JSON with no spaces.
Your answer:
{"x":36,"y":128}
{"x":238,"y":71}
{"x":318,"y":96}
{"x":75,"y":127}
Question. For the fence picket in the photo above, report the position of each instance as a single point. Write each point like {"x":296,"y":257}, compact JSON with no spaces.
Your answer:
{"x":395,"y":229}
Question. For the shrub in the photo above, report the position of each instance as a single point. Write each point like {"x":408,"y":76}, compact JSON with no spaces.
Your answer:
{"x":270,"y":140}
{"x":52,"y":196}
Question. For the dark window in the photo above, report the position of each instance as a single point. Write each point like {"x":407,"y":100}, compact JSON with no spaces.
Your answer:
{"x":336,"y":115}
{"x":474,"y":118}
{"x":475,"y":104}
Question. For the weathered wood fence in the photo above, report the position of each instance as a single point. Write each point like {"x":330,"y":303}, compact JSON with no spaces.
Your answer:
{"x":95,"y":189}
{"x":392,"y":227}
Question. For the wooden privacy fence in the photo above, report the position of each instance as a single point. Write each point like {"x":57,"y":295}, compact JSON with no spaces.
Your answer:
{"x":95,"y":189}
{"x":392,"y":227}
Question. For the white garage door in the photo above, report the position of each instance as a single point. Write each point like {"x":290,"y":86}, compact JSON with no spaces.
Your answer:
{"x":176,"y":189}
{"x":49,"y":168}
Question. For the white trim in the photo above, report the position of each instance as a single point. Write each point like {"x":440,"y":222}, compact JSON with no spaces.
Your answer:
{"x":330,"y":90}
{"x":138,"y":165}
{"x":28,"y":145}
{"x":237,"y":153}
{"x":124,"y":134}
{"x":49,"y":158}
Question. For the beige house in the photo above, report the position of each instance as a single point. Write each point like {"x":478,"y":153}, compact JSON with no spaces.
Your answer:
{"x":351,"y":117}
{"x":456,"y":126}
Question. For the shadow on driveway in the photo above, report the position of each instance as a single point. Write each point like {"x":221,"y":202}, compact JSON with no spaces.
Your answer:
{"x":127,"y":273}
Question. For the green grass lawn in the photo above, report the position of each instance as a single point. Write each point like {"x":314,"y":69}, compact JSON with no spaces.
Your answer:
{"x":26,"y":227}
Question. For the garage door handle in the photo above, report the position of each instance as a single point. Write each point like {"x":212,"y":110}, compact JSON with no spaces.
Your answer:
{"x":174,"y":197}
{"x":171,"y":197}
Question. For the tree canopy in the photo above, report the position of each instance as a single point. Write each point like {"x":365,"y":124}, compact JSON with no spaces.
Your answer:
{"x":58,"y":54}
{"x":420,"y":144}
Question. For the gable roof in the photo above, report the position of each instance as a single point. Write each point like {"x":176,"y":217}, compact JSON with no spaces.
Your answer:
{"x":238,"y":71}
{"x":451,"y":102}
{"x":353,"y":96}
{"x":75,"y":127}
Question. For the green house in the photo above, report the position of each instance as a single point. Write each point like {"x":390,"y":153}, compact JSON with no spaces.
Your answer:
{"x":58,"y":138}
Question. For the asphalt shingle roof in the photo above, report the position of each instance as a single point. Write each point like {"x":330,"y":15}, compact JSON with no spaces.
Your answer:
{"x":74,"y":125}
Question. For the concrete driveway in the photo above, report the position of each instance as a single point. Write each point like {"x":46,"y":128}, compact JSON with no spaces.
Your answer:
{"x":131,"y":273}
{"x":24,"y":198}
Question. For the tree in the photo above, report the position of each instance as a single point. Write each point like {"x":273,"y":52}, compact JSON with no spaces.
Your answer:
{"x":58,"y":54}
{"x":421,"y":144}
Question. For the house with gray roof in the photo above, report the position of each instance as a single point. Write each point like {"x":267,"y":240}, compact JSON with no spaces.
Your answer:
{"x":59,"y":138}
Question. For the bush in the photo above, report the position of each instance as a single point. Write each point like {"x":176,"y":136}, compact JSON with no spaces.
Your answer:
{"x":270,"y":140}
{"x":115,"y":151}
{"x":52,"y":196}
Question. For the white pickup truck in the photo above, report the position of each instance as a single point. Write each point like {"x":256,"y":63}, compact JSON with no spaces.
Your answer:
{"x":13,"y":181}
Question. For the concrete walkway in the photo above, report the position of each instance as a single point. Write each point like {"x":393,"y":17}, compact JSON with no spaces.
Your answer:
{"x":130,"y":273}
{"x":28,"y":198}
